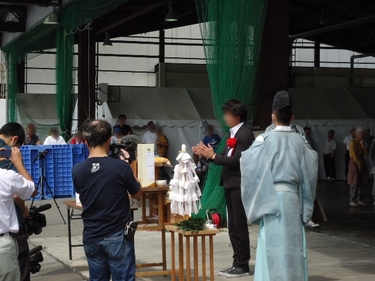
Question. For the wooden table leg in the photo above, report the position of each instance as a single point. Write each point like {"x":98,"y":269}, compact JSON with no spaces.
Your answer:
{"x":164,"y":249}
{"x":181,"y":256}
{"x":161,"y":225}
{"x":196,"y":270}
{"x":212,"y":277}
{"x":173,"y":256}
{"x":204,"y":275}
{"x":157,"y":173}
{"x":188,"y":270}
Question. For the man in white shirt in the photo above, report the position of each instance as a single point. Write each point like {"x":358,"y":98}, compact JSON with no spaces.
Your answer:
{"x":329,"y":156}
{"x":11,"y":184}
{"x":150,"y":136}
{"x":346,"y":144}
{"x":54,"y":137}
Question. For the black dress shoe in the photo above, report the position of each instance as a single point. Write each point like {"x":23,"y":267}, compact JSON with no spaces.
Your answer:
{"x":225,"y":271}
{"x":237,"y":272}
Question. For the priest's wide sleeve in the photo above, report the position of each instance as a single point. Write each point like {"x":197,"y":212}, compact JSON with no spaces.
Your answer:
{"x":309,"y":165}
{"x":257,"y":187}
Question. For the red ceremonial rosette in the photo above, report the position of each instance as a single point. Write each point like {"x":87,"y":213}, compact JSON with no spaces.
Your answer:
{"x":232,"y":142}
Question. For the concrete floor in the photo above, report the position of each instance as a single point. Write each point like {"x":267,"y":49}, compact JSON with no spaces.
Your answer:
{"x":344,"y":250}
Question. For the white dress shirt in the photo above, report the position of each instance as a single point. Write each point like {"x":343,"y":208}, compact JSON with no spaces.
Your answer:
{"x":12,"y":183}
{"x":233,"y":132}
{"x":51,"y":140}
{"x":283,"y":128}
{"x":277,"y":128}
{"x":329,"y":146}
{"x":149,"y":138}
{"x":348,"y":139}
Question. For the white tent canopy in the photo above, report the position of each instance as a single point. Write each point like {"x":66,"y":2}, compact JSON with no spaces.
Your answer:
{"x":169,"y":106}
{"x":39,"y":109}
{"x":337,"y":109}
{"x":182,"y":112}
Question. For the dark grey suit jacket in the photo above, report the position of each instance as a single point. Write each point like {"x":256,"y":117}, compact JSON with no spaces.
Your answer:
{"x":231,"y":176}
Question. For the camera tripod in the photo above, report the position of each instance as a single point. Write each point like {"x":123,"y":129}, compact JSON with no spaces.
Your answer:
{"x":43,"y":180}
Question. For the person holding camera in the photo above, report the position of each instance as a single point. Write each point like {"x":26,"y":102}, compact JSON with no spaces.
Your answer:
{"x":103,"y":184}
{"x":12,"y":184}
{"x":13,"y":135}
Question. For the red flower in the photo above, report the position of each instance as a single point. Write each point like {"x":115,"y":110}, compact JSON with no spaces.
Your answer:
{"x":232,"y":142}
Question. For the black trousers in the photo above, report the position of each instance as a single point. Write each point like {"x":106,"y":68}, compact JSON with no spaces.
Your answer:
{"x":347,"y":159}
{"x":238,"y":228}
{"x":329,"y":166}
{"x":23,"y":255}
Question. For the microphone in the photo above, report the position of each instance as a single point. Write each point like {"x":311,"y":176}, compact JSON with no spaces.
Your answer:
{"x":44,"y":207}
{"x":36,"y":249}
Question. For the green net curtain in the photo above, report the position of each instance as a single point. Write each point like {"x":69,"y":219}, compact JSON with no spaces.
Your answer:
{"x":12,"y":60}
{"x":232,"y":35}
{"x":64,"y":80}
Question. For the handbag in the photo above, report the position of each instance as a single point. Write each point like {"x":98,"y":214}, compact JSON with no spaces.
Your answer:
{"x":130,"y":229}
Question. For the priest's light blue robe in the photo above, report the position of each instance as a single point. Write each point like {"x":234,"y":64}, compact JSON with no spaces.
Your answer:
{"x":279,"y":176}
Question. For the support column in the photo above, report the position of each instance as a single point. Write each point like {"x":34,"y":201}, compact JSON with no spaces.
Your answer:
{"x":317,"y":54}
{"x":86,"y":76}
{"x":274,"y":60}
{"x":161,"y":46}
{"x":21,"y":76}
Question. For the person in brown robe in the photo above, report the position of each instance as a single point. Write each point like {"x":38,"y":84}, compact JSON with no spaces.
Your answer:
{"x":358,"y":176}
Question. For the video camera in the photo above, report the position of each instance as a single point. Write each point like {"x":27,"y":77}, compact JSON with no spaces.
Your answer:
{"x":128,"y":143}
{"x":34,"y":225}
{"x":36,"y":221}
{"x":36,"y":257}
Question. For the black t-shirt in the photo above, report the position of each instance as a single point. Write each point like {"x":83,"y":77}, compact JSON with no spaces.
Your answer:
{"x":32,"y":141}
{"x":103,"y":184}
{"x":124,"y":129}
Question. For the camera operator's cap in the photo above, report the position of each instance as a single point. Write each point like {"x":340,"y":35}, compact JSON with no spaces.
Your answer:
{"x":306,"y":128}
{"x":281,"y":100}
{"x":352,"y":129}
{"x":331,"y":132}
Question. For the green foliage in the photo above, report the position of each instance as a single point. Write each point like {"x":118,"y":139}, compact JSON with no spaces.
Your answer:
{"x":232,"y":36}
{"x":192,"y":224}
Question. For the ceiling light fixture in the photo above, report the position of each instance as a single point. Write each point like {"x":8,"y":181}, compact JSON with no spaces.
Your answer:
{"x":107,"y":41}
{"x":52,"y":19}
{"x":171,"y":16}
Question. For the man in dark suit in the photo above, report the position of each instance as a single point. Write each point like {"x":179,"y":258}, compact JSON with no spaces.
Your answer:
{"x":241,"y":137}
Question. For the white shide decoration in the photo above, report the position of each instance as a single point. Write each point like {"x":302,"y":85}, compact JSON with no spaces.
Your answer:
{"x":185,"y":194}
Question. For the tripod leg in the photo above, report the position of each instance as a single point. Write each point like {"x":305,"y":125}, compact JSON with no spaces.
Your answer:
{"x":53,"y":197}
{"x":37,"y":187}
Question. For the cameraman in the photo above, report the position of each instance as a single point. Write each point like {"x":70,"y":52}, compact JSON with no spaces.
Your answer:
{"x":12,"y":184}
{"x":13,"y":135}
{"x":103,"y":184}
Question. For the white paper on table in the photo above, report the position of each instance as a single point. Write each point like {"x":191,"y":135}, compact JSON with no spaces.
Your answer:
{"x":150,"y":163}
